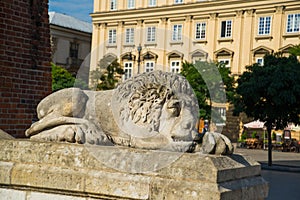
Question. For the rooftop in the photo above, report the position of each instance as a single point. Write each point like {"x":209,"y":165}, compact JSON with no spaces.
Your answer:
{"x":69,"y":22}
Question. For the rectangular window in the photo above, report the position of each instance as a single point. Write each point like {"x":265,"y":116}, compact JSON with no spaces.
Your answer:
{"x":293,"y":23}
{"x":264,"y":26}
{"x":112,"y":36}
{"x":151,"y":34}
{"x":149,"y":66}
{"x":113,"y":4}
{"x":128,"y":66}
{"x":175,"y":66}
{"x":152,"y":2}
{"x":177,"y":32}
{"x":178,"y":1}
{"x":74,"y":50}
{"x":130,"y":4}
{"x":222,"y":112}
{"x":226,"y":62}
{"x":200,"y":30}
{"x":260,"y":61}
{"x":226,"y":28}
{"x":129,"y":36}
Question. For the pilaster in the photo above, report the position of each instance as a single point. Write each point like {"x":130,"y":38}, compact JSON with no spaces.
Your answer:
{"x":212,"y":34}
{"x":279,"y":25}
{"x":238,"y":42}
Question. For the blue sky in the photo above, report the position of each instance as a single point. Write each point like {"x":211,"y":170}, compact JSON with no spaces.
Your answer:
{"x":79,"y":9}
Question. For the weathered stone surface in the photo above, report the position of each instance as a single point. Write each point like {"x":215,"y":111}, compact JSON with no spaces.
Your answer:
{"x":4,"y":135}
{"x":45,"y":168}
{"x":5,"y":171}
{"x":7,"y":194}
{"x":156,"y":110}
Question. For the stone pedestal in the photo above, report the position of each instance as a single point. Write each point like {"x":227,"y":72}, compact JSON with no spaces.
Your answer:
{"x":34,"y":170}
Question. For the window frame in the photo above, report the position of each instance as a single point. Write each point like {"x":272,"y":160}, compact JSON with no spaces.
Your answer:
{"x":130,"y":4}
{"x":178,"y":1}
{"x":228,"y":65}
{"x":112,"y":36}
{"x":264,"y":26}
{"x":200,"y":31}
{"x":149,"y":68}
{"x":258,"y":62}
{"x":151,"y":34}
{"x":113,"y":5}
{"x":176,"y":32}
{"x":152,"y":3}
{"x":175,"y":68}
{"x":293,"y":26}
{"x":129,"y":35}
{"x":227,"y":28}
{"x":74,"y":50}
{"x":128,"y":70}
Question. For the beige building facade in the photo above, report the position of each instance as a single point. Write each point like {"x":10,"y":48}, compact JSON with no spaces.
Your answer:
{"x":147,"y":35}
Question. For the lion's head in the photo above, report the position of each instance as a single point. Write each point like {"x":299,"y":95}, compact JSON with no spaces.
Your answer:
{"x":157,"y":108}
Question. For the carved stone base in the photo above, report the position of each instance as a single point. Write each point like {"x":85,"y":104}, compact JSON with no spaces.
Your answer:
{"x":35,"y":170}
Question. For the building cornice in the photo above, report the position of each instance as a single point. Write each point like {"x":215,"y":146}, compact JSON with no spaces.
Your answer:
{"x":191,"y":9}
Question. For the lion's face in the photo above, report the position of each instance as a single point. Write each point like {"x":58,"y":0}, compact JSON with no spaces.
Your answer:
{"x":157,"y":113}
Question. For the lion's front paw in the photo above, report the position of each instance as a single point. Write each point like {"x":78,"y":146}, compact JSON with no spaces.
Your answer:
{"x":216,"y":143}
{"x":79,"y":133}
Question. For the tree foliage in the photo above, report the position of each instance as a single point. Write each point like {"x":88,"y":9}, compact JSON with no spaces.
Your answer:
{"x":295,"y":50}
{"x":107,"y":79}
{"x":271,"y":92}
{"x":211,"y":83}
{"x":61,"y":79}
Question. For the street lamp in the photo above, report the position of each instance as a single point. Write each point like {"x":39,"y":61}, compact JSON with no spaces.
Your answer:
{"x":139,"y":49}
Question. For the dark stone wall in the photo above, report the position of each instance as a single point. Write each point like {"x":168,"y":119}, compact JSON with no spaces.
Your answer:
{"x":25,"y":71}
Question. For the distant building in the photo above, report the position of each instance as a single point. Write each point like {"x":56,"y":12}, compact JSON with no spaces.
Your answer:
{"x":70,"y":40}
{"x":161,"y":34}
{"x":237,"y":33}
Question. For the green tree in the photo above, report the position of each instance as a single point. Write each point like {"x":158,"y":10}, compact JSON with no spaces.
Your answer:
{"x":270,"y":93}
{"x":107,"y":79}
{"x":211,"y":83}
{"x":61,"y":78}
{"x":295,"y":50}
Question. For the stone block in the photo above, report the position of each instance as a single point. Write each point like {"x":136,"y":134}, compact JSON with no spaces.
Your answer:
{"x":10,"y":194}
{"x":78,"y":171}
{"x":47,"y":196}
{"x":5,"y":172}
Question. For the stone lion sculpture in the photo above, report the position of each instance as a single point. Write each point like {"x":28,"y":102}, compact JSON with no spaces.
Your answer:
{"x":156,"y":110}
